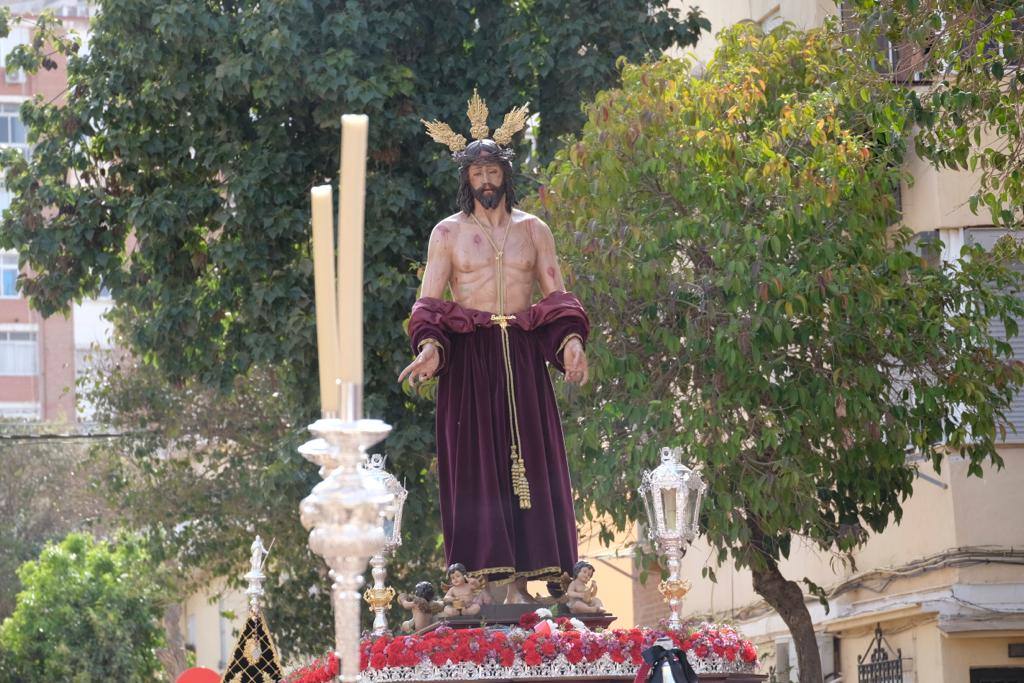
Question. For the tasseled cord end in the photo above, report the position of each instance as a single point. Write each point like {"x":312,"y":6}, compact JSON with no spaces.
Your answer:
{"x":520,"y":484}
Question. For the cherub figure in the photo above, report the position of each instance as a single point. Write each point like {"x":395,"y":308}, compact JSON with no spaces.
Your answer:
{"x":422,"y":605}
{"x":466,"y":595}
{"x":582,"y":591}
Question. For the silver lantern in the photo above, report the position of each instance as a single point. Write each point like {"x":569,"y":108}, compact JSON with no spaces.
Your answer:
{"x":672,"y":496}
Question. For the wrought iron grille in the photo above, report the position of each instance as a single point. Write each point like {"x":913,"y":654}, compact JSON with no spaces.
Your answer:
{"x":880,"y":664}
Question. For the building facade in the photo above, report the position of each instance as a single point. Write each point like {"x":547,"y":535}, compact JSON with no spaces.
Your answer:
{"x":41,"y":358}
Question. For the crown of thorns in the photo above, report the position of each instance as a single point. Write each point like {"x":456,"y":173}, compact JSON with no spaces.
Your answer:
{"x":476,"y":110}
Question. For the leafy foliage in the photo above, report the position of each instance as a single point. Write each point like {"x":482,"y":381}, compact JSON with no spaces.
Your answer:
{"x":967,"y":57}
{"x":731,"y":237}
{"x":88,"y":612}
{"x":177,"y":174}
{"x":201,"y":473}
{"x":45,"y":492}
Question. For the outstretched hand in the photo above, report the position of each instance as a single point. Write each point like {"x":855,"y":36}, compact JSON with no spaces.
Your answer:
{"x":576,"y":370}
{"x":423,"y":367}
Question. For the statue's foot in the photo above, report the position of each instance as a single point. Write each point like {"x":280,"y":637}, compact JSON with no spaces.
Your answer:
{"x":514,"y":597}
{"x":517,"y":593}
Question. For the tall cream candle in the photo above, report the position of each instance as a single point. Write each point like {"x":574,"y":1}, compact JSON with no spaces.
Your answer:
{"x":322,"y":199}
{"x":354,"y":129}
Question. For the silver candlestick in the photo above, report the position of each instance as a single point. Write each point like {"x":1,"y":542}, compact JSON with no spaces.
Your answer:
{"x":343,"y":515}
{"x":379,"y":596}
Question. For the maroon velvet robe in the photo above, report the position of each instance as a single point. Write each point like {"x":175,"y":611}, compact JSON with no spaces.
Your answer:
{"x":484,"y":526}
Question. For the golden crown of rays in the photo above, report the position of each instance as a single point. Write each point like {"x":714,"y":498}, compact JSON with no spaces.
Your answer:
{"x":476,"y":110}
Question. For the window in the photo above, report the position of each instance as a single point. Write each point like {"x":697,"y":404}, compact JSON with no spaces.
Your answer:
{"x":80,"y":9}
{"x":987,"y":237}
{"x":8,"y":275}
{"x":190,"y":632}
{"x":20,"y":411}
{"x":19,"y":35}
{"x":905,"y":61}
{"x":12,"y":130}
{"x":1013,"y":674}
{"x":12,"y":134}
{"x":19,"y":353}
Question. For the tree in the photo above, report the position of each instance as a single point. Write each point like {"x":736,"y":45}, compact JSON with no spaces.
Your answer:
{"x":731,"y":237}
{"x":45,"y":493}
{"x":966,"y":58}
{"x":202,"y":472}
{"x":177,"y":174}
{"x":88,"y":612}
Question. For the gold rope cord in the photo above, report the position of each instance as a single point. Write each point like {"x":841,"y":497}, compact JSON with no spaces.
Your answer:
{"x":520,"y":484}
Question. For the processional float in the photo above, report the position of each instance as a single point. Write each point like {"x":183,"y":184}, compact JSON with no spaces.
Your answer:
{"x":354,"y":513}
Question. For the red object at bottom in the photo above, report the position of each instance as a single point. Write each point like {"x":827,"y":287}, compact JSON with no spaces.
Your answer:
{"x":198,"y":674}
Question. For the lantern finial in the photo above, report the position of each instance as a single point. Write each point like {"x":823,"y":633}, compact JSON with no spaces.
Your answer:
{"x":672,"y":496}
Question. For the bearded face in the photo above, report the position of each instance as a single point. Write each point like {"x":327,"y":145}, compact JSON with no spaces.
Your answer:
{"x":488,"y":195}
{"x":487,"y":184}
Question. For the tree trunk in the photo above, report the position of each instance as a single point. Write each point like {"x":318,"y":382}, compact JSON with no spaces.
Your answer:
{"x":787,"y":599}
{"x":173,"y":657}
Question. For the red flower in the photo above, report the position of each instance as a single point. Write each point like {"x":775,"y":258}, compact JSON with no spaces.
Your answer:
{"x":529,"y":620}
{"x":479,"y":646}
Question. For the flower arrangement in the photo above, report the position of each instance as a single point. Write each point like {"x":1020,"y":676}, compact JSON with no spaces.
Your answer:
{"x":321,"y":671}
{"x":717,"y":640}
{"x":714,"y":643}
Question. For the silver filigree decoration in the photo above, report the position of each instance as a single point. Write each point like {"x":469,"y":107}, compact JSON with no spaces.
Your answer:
{"x":559,"y":667}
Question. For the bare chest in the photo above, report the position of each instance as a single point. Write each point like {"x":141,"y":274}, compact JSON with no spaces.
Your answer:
{"x":476,"y":251}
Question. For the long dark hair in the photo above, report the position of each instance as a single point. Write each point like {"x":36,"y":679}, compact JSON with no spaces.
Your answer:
{"x":465,"y":197}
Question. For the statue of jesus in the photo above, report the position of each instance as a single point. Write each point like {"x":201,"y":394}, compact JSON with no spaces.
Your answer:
{"x":505,"y":495}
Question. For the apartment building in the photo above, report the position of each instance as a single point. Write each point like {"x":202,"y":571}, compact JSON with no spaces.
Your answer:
{"x":41,"y":358}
